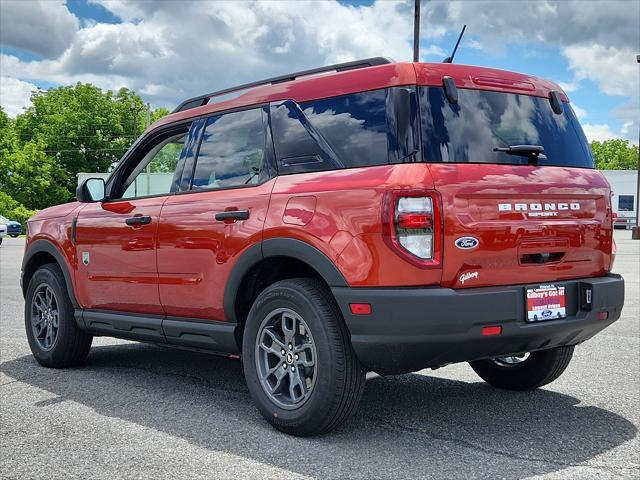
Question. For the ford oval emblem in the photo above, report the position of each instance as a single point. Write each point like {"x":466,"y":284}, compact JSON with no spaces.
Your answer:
{"x":467,"y":243}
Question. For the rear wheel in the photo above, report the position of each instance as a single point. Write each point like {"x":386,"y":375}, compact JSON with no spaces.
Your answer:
{"x":298,"y":361}
{"x":13,"y":235}
{"x":525,"y":371}
{"x":54,"y":337}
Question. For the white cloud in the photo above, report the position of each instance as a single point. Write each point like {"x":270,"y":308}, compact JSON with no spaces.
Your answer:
{"x":614,"y":70}
{"x":581,"y":113}
{"x":15,"y":95}
{"x":599,"y":132}
{"x":569,"y":87}
{"x":45,"y":27}
{"x":170,"y":50}
{"x":225,"y":43}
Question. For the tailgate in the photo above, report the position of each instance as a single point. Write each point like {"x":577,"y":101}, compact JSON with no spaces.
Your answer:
{"x":512,"y":224}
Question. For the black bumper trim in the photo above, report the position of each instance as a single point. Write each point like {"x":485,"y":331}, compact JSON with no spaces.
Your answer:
{"x":414,"y":328}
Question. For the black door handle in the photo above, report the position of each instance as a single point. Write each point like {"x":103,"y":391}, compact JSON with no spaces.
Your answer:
{"x":139,"y":220}
{"x":232,"y":215}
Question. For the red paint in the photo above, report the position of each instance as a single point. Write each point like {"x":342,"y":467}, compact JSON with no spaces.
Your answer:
{"x":196,"y":252}
{"x":121,"y":274}
{"x":179,"y":264}
{"x":383,"y":76}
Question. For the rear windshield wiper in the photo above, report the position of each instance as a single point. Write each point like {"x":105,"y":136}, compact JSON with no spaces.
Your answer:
{"x":532,"y":152}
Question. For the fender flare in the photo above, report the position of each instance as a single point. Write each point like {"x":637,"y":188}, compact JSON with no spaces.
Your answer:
{"x":47,"y":246}
{"x":278,"y":247}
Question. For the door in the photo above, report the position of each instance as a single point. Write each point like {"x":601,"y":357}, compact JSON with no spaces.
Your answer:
{"x":218,"y":215}
{"x":116,"y":239}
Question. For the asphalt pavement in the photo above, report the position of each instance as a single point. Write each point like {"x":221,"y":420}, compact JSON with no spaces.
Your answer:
{"x":142,"y":411}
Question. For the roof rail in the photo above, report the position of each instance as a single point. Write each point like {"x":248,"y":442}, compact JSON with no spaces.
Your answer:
{"x":338,"y":67}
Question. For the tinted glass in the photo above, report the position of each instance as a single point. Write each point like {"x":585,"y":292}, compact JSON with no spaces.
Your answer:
{"x":482,"y":120}
{"x":340,"y":132}
{"x":625,"y":203}
{"x":355,"y":126}
{"x":232,"y":151}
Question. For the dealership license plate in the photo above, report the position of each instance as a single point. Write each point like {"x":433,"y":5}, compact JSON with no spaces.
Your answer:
{"x":546,"y":302}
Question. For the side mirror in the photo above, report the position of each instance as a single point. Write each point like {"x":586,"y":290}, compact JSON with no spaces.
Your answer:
{"x":91,"y":190}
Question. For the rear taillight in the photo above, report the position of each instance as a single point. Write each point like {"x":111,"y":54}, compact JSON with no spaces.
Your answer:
{"x":413,"y":226}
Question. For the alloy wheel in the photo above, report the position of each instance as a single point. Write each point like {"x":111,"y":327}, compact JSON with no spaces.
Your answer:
{"x":286,"y":358}
{"x":45,"y":317}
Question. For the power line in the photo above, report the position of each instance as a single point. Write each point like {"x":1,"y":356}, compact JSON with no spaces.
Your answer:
{"x":85,"y":150}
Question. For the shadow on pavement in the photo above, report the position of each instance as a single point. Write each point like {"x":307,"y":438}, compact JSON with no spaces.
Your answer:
{"x":410,"y":426}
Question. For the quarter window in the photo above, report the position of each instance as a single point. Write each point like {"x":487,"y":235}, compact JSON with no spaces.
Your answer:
{"x":232,"y":151}
{"x":354,"y":125}
{"x":357,"y":130}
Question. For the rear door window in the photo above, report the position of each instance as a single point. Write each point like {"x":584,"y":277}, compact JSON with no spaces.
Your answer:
{"x":232,"y":152}
{"x":468,"y":132}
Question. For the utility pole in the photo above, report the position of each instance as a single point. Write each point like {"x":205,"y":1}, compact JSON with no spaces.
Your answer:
{"x":416,"y":31}
{"x":635,"y":233}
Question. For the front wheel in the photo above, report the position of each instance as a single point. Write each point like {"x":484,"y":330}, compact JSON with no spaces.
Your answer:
{"x":54,"y":337}
{"x":298,"y":360}
{"x":13,"y":235}
{"x":526,"y":371}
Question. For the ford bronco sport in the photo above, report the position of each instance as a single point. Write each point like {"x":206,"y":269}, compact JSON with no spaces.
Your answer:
{"x":367,"y":216}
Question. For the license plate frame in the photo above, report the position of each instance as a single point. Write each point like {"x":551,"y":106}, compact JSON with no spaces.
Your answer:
{"x":545,"y":302}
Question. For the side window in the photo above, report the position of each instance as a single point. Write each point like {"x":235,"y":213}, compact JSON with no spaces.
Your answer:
{"x":232,"y":152}
{"x":625,"y":203}
{"x":155,"y":172}
{"x":355,"y":126}
{"x":357,"y":130}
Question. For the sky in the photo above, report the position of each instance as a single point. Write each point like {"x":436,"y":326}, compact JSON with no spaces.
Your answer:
{"x":168,"y":51}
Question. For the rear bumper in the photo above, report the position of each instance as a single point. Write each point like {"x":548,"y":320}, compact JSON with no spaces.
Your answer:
{"x":414,"y":328}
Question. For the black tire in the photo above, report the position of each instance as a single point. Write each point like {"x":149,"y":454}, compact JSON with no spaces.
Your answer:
{"x":71,"y":345}
{"x":339,"y":377}
{"x":539,"y":369}
{"x":13,"y":235}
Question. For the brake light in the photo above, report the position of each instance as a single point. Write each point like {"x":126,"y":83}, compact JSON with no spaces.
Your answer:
{"x":414,"y":225}
{"x":412,"y":221}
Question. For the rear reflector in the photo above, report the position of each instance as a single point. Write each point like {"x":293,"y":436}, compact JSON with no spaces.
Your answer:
{"x":603,"y":315}
{"x":360,"y":308}
{"x":492,"y":330}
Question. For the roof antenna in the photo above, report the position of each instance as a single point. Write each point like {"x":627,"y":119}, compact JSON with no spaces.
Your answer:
{"x":450,"y":59}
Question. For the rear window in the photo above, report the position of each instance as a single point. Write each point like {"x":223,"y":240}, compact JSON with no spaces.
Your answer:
{"x":483,"y":120}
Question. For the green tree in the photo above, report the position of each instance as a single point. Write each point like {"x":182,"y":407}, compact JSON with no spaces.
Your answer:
{"x":32,"y":178}
{"x":14,"y":210}
{"x":81,"y":127}
{"x":158,"y":113}
{"x":615,"y":154}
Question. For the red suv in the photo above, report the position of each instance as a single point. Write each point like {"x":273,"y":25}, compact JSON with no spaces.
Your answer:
{"x":367,"y":216}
